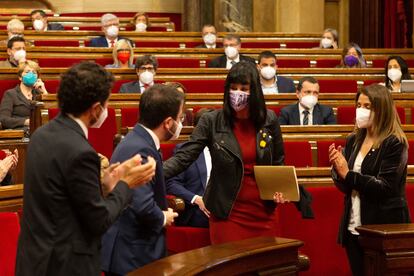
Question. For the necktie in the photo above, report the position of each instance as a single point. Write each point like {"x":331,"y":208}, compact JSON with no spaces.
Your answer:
{"x":305,"y":117}
{"x":232,"y":63}
{"x":112,"y":43}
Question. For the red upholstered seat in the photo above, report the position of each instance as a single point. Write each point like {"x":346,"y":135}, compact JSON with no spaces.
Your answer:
{"x":57,"y":43}
{"x":338,"y":86}
{"x":346,"y":115}
{"x":7,"y":84}
{"x":179,"y":62}
{"x":180,"y":238}
{"x":327,"y":63}
{"x":411,"y":153}
{"x":52,"y":86}
{"x":401,"y":113}
{"x":298,"y":153}
{"x":9,"y":233}
{"x":129,"y":116}
{"x":323,"y":151}
{"x":117,"y":85}
{"x":293,"y":63}
{"x":319,"y":234}
{"x":167,"y":150}
{"x":302,"y":44}
{"x":276,"y":109}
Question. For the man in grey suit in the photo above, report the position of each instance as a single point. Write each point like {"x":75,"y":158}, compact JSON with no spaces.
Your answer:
{"x":66,"y":207}
{"x":307,"y":111}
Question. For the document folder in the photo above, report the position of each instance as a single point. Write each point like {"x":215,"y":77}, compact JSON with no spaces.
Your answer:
{"x":271,"y":179}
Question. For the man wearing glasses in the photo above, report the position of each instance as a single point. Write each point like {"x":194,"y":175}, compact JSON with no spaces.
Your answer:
{"x":146,"y":68}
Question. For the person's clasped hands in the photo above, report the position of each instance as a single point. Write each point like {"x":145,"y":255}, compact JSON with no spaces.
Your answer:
{"x":338,"y":161}
{"x":8,"y":163}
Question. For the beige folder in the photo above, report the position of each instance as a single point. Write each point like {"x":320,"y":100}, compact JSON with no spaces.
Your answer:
{"x":271,"y":179}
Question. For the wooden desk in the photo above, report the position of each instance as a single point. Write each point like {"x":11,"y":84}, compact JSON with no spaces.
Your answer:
{"x":388,"y":249}
{"x":257,"y":256}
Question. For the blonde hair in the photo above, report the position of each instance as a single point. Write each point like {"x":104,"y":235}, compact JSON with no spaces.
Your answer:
{"x":28,"y":63}
{"x":123,"y":44}
{"x":385,"y":121}
{"x":15,"y":24}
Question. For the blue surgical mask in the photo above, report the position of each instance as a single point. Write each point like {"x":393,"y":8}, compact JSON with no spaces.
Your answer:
{"x":29,"y":79}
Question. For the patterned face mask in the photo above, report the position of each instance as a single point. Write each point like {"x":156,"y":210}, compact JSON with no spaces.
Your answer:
{"x":239,"y":99}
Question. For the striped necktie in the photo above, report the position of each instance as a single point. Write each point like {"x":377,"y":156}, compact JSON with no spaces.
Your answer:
{"x":305,"y":117}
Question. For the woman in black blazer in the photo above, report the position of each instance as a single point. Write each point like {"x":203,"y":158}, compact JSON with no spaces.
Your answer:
{"x":371,"y":170}
{"x":15,"y":106}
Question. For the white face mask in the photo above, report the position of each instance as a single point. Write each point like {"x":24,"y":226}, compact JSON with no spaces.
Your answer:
{"x":363,"y":117}
{"x":309,"y":101}
{"x":326,"y":43}
{"x":210,"y":39}
{"x":394,"y":74}
{"x":268,"y":72}
{"x":112,"y":31}
{"x":146,"y":77}
{"x":177,"y":132}
{"x":231,"y":52}
{"x":141,"y":27}
{"x":101,"y":119}
{"x":38,"y":25}
{"x":19,"y":55}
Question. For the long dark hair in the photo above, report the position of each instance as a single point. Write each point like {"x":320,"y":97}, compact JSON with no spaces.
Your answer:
{"x":245,"y":73}
{"x":404,"y":70}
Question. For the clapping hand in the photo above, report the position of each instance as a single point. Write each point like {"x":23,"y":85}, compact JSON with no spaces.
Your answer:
{"x":338,"y":161}
{"x":279,"y":198}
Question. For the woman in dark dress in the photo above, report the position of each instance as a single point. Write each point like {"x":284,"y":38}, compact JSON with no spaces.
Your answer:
{"x":242,"y":134}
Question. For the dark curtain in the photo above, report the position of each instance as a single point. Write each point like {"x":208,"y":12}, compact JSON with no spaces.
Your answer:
{"x":398,"y":23}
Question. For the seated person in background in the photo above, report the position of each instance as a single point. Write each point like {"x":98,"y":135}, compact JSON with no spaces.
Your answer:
{"x":352,"y":57}
{"x":396,"y":69}
{"x":15,"y":106}
{"x":15,"y":27}
{"x":146,"y":68}
{"x":123,"y":55}
{"x":329,"y":39}
{"x":141,"y":22}
{"x":39,"y":21}
{"x":307,"y":111}
{"x":232,"y":46}
{"x":209,"y":34}
{"x":190,"y":186}
{"x":110,"y":27}
{"x":272,"y":84}
{"x":16,"y":50}
{"x":8,"y":163}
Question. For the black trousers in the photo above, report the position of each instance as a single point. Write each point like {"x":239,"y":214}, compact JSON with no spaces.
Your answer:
{"x":355,"y":255}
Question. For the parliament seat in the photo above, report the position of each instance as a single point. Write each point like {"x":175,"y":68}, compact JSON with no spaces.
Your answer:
{"x":346,"y":114}
{"x":9,"y":234}
{"x":129,"y":116}
{"x":323,"y":151}
{"x":298,"y":153}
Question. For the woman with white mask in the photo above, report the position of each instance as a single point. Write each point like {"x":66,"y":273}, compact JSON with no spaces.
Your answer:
{"x":140,"y":21}
{"x":329,"y":39}
{"x":396,"y":69}
{"x":371,"y":170}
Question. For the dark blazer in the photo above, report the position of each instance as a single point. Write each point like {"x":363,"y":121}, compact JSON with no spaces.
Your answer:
{"x":186,"y":185}
{"x":381,"y":184}
{"x":102,"y":42}
{"x":213,"y":131}
{"x":130,"y":87}
{"x":221,"y":61}
{"x":55,"y":27}
{"x":138,"y":236}
{"x":322,"y":115}
{"x":64,"y":213}
{"x":285,"y":85}
{"x":14,"y":108}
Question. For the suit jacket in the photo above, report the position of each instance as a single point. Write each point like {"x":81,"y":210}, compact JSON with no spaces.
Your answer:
{"x":186,"y":185}
{"x":221,"y":61}
{"x":102,"y":42}
{"x":14,"y":109}
{"x":7,"y":64}
{"x":322,"y":115}
{"x":285,"y":85}
{"x":55,"y":27}
{"x":130,"y":87}
{"x":137,"y":238}
{"x":64,"y":213}
{"x":381,"y":184}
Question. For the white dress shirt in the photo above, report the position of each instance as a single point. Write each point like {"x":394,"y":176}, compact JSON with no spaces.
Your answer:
{"x":229,"y":61}
{"x":355,"y":215}
{"x":269,"y":90}
{"x":301,"y":115}
{"x":207,"y":159}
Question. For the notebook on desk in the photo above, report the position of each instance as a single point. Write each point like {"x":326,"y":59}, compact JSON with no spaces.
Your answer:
{"x":407,"y":86}
{"x":271,"y":179}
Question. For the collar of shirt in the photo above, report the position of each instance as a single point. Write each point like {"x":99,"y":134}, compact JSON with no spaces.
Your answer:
{"x":211,"y":46}
{"x":228,"y":64}
{"x":310,"y":117}
{"x":153,"y":136}
{"x":271,"y":89}
{"x":80,"y":123}
{"x":109,"y":41}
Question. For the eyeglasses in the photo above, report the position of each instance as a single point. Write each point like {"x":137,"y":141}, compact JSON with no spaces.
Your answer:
{"x":143,"y":69}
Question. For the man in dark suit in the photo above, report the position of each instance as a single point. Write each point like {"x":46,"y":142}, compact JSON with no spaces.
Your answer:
{"x":110,"y":27}
{"x":65,"y":212}
{"x":271,"y":83}
{"x":190,"y":186}
{"x":232,"y":46}
{"x":209,"y":35}
{"x":138,"y":237}
{"x":307,"y":111}
{"x":39,"y":21}
{"x":146,"y":67}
